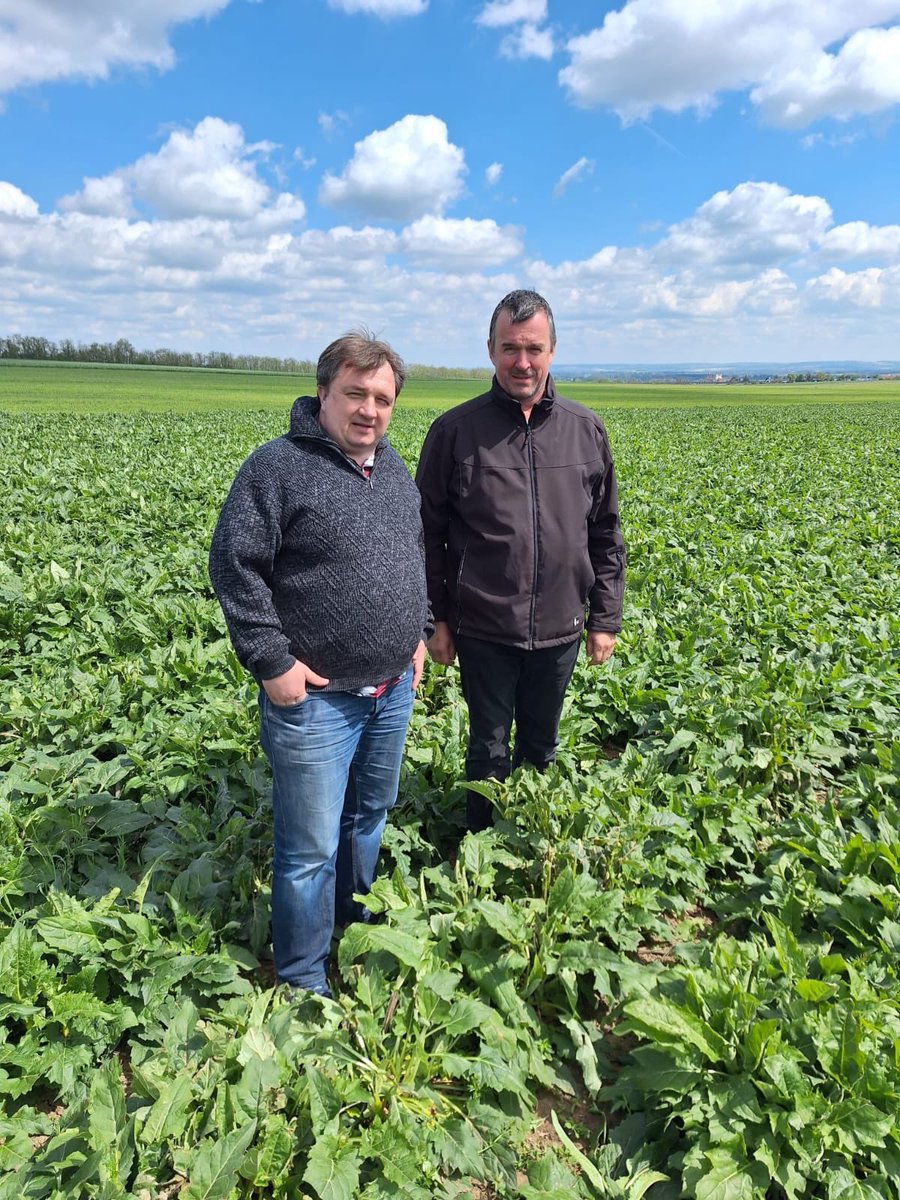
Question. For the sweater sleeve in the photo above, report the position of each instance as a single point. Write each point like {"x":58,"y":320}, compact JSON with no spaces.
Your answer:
{"x":244,"y":546}
{"x":606,"y":547}
{"x":433,"y":481}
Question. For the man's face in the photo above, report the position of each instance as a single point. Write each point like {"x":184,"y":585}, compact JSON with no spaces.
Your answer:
{"x":522,"y":354}
{"x":356,"y":408}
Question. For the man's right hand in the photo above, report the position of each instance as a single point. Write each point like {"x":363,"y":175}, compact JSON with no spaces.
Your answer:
{"x":440,"y":644}
{"x":290,"y":688}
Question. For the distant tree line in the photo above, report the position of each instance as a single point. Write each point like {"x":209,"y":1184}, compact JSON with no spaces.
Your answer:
{"x":121,"y":352}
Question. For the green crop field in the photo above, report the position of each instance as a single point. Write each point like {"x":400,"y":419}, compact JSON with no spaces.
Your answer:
{"x":671,"y":969}
{"x":83,"y":387}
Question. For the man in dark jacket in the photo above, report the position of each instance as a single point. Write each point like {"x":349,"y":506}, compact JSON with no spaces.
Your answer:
{"x":318,"y":563}
{"x":522,"y":537}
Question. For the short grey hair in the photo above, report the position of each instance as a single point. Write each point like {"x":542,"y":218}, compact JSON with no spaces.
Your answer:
{"x":362,"y":351}
{"x":522,"y":304}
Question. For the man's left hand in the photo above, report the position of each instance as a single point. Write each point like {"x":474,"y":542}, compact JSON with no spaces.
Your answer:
{"x":418,"y":664}
{"x":599,"y":647}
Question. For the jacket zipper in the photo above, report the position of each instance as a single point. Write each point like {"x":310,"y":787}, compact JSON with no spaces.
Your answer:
{"x":529,"y":444}
{"x":459,"y":574}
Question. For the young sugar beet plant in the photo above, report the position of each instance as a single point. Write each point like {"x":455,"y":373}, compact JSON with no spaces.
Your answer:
{"x":767,"y":1070}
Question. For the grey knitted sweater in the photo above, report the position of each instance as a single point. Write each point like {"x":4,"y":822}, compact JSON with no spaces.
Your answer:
{"x":311,"y":560}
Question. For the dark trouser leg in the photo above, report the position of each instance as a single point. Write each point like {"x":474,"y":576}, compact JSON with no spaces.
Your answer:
{"x":489,"y":674}
{"x":540,"y":693}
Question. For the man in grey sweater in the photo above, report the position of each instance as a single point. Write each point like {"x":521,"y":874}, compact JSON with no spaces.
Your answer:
{"x":318,"y":563}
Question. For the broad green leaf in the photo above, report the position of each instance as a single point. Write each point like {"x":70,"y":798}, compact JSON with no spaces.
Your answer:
{"x":269,"y":1159}
{"x":858,"y":1124}
{"x":75,"y":937}
{"x":814,"y":990}
{"x":467,"y":1014}
{"x":844,"y":1185}
{"x":791,"y":957}
{"x":256,"y":1044}
{"x":123,"y":817}
{"x":459,"y":1146}
{"x":112,"y":1134}
{"x":665,"y":1022}
{"x":20,"y":964}
{"x":489,"y":1069}
{"x":257,"y":1080}
{"x":728,"y":1176}
{"x":890,"y":934}
{"x":410,"y":951}
{"x":682,"y":739}
{"x":333,"y":1169}
{"x":443,"y":983}
{"x":324,"y":1100}
{"x":16,"y":1148}
{"x":655,"y":1071}
{"x":585,"y":958}
{"x":757,"y":1041}
{"x":214,"y":1165}
{"x":498,"y":981}
{"x":506,"y":919}
{"x":166,"y":1118}
{"x":107,"y":1107}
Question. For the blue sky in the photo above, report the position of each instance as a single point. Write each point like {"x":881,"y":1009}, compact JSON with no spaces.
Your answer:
{"x":707,"y":181}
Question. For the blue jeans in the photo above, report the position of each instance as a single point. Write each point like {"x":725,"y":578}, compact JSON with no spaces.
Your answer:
{"x":335,"y":760}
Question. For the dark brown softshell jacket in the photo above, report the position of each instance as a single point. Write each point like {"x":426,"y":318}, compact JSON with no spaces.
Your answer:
{"x":521,"y":521}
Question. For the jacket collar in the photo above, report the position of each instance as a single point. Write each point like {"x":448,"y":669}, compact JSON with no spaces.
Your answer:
{"x":502,"y":397}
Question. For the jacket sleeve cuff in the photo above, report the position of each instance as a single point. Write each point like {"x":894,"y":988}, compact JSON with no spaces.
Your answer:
{"x":600,"y":624}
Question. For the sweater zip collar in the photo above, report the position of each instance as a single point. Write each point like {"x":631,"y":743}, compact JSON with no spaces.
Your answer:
{"x":305,"y":425}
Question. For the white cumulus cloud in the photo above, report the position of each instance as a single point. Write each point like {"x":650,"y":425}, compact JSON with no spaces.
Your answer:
{"x":862,"y":77}
{"x":207,"y":171}
{"x":864,"y":289}
{"x":463,"y":244}
{"x":511,"y":12}
{"x":527,"y":39}
{"x":44,"y":40}
{"x":15,"y":204}
{"x":405,"y":171}
{"x":492,"y":174}
{"x":857,"y":239}
{"x":528,"y":42}
{"x":800,"y":61}
{"x":753,"y":225}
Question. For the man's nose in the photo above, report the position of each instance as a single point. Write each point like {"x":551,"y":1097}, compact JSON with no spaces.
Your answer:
{"x":367,"y":406}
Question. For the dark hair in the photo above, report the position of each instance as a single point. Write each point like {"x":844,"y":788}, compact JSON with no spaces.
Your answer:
{"x":362,"y":351}
{"x":522,"y":304}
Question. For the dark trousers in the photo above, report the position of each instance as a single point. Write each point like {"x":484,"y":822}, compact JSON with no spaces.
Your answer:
{"x":501,"y":684}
